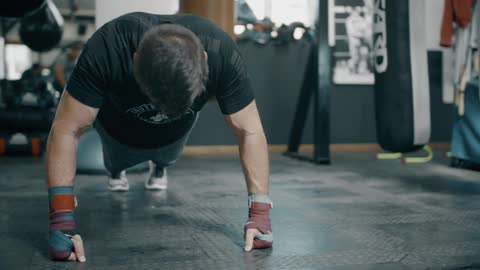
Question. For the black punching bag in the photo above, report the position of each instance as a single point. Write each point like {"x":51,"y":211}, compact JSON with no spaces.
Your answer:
{"x":43,"y":29}
{"x":402,"y":94}
{"x":19,"y":8}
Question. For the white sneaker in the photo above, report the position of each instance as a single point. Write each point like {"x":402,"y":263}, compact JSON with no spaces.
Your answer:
{"x":156,"y":182}
{"x":119,"y":184}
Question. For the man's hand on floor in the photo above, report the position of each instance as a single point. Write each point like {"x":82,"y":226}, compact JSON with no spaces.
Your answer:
{"x":64,"y":244}
{"x":258,"y":229}
{"x":78,"y":253}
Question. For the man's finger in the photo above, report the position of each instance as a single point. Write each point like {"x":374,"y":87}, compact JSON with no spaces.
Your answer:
{"x":72,"y":257}
{"x":249,"y":237}
{"x":78,"y":247}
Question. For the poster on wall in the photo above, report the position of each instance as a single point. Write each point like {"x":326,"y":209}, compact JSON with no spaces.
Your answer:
{"x":352,"y":51}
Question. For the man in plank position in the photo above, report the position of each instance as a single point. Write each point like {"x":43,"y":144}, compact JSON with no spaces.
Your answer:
{"x":141,"y":80}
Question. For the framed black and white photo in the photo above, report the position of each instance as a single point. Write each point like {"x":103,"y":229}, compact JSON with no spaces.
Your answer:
{"x":352,"y":44}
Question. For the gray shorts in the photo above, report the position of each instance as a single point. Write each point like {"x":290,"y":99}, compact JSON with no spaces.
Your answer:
{"x":118,"y":157}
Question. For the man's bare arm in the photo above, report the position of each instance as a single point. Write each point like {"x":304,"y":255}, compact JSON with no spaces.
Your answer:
{"x":254,"y":155}
{"x":253,"y":148}
{"x":71,"y":119}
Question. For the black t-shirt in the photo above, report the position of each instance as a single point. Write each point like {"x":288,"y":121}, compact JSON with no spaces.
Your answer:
{"x":103,"y":78}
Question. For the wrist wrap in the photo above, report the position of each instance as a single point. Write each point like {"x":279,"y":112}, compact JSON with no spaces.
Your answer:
{"x":259,"y":218}
{"x":62,"y":204}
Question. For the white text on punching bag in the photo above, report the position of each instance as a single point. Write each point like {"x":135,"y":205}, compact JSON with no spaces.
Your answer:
{"x":380,"y":37}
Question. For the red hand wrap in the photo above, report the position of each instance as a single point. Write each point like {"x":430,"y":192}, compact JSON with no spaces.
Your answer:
{"x":259,"y":218}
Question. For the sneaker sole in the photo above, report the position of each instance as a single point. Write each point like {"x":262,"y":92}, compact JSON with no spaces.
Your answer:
{"x":155,"y":187}
{"x":118,"y":188}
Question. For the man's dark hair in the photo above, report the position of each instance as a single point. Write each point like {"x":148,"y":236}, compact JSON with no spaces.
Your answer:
{"x":171,"y":67}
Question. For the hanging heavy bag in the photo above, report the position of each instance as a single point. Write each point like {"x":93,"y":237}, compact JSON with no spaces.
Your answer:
{"x":402,"y":97}
{"x":42,"y":30}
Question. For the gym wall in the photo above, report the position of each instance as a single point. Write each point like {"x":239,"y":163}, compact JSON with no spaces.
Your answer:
{"x":277,"y":73}
{"x":106,"y":10}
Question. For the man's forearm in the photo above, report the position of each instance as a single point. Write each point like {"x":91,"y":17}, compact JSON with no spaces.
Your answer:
{"x":255,"y":162}
{"x":61,"y":157}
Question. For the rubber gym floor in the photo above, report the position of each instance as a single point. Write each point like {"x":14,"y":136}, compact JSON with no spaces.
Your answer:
{"x":356,"y":214}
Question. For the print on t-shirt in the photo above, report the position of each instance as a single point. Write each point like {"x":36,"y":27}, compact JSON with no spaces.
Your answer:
{"x":153,"y":115}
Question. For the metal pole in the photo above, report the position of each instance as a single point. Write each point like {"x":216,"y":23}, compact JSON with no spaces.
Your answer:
{"x":317,"y":83}
{"x":4,"y":53}
{"x":309,"y":86}
{"x":322,"y":94}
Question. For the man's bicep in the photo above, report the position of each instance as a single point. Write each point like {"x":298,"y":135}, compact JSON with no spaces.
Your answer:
{"x":72,"y":115}
{"x":246,"y":121}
